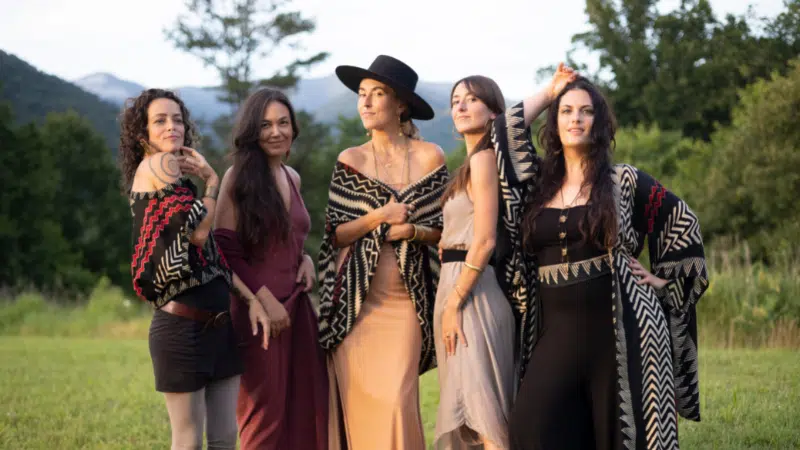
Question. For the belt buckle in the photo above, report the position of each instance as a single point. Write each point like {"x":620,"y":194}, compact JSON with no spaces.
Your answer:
{"x":220,"y":319}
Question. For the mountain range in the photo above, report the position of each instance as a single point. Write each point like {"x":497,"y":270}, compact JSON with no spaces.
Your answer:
{"x":325,"y":98}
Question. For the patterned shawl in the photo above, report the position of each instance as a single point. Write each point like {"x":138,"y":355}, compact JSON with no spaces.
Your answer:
{"x":350,"y":196}
{"x":164,"y":263}
{"x":656,"y":331}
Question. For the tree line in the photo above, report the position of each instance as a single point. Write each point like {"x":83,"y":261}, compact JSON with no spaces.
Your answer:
{"x":707,"y":106}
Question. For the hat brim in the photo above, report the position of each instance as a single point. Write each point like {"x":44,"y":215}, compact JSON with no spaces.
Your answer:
{"x":352,"y":76}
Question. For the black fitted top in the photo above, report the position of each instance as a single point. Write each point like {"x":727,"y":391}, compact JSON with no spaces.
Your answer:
{"x":546,"y":244}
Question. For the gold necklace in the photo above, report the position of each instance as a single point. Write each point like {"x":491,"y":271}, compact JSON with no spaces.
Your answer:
{"x":562,"y":222}
{"x":402,"y":172}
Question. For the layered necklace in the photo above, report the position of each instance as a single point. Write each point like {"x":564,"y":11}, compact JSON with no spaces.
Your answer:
{"x":562,"y":222}
{"x":387,"y":165}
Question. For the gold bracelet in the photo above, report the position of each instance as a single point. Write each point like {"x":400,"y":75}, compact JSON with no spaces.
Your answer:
{"x":475,"y":268}
{"x":212,"y":191}
{"x":414,"y":238}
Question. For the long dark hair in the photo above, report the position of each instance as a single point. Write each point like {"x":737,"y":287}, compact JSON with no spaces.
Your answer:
{"x":487,"y":91}
{"x":133,"y":131}
{"x":260,"y":210}
{"x":598,"y":170}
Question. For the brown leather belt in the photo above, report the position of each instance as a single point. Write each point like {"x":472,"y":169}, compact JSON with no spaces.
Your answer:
{"x":211,"y":319}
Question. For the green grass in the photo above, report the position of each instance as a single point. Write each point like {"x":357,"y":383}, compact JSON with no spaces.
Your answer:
{"x":70,"y":393}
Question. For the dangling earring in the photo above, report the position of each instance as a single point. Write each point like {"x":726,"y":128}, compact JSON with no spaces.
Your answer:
{"x":148,"y":150}
{"x":400,"y":124}
{"x":457,"y":135}
{"x":369,"y":133}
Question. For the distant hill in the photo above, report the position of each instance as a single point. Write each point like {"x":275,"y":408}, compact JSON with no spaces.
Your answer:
{"x":98,"y":97}
{"x":33,"y":94}
{"x":325,"y":98}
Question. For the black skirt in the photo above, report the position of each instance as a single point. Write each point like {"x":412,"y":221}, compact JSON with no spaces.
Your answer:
{"x":187,"y":355}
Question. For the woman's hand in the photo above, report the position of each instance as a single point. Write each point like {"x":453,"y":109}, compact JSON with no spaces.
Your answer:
{"x":259,"y":317}
{"x":278,"y":315}
{"x":306,"y":273}
{"x":395,"y":213}
{"x":564,"y":75}
{"x":400,"y":232}
{"x":451,"y":325}
{"x":645,"y":277}
{"x":191,"y":161}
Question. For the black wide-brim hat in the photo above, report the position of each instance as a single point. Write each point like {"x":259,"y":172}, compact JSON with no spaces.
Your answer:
{"x":394,"y":73}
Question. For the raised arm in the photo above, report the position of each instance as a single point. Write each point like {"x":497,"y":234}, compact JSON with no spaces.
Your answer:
{"x":535,"y":104}
{"x":194,"y":163}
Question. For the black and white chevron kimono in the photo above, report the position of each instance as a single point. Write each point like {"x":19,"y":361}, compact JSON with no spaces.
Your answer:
{"x":656,"y":331}
{"x":344,"y":289}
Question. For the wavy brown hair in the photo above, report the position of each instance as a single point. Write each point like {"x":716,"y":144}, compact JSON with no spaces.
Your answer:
{"x":488,"y":92}
{"x":133,"y":123}
{"x":601,"y":226}
{"x":261,"y":219}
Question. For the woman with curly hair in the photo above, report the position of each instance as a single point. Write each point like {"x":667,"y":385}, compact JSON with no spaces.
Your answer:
{"x":261,"y":226}
{"x":177,"y":267}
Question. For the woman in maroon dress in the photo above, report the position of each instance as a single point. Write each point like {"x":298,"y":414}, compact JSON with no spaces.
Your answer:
{"x":261,"y":226}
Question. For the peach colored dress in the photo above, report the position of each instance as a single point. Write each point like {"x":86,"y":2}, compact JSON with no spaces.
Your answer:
{"x":377,"y":366}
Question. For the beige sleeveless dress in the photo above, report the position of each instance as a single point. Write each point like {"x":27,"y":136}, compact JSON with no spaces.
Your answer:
{"x":477,"y":384}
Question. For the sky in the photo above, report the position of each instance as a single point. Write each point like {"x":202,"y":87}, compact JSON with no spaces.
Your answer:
{"x":443,"y":40}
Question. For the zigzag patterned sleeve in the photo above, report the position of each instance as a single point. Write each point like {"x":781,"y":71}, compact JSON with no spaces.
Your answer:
{"x":163,"y":224}
{"x":516,"y":155}
{"x":675,"y":243}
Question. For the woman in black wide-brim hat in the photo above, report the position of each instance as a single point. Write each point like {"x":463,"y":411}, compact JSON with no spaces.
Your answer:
{"x":378,"y":271}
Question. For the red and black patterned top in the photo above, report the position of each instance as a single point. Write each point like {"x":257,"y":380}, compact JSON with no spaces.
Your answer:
{"x":164,"y":262}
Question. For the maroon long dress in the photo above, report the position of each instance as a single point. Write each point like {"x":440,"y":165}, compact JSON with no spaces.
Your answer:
{"x":283,"y":397}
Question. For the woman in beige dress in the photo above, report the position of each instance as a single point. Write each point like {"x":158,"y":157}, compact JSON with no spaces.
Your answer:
{"x":378,"y":271}
{"x":474,"y":322}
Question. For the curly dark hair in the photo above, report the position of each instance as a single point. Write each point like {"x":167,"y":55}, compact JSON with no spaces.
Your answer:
{"x":260,"y":216}
{"x":598,"y":169}
{"x":133,"y":124}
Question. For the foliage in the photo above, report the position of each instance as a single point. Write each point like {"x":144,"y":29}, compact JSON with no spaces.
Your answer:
{"x":745,"y":181}
{"x":62,"y":221}
{"x":682,"y":69}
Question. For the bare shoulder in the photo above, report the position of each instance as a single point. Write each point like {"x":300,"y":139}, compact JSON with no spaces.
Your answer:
{"x":160,"y":169}
{"x":484,"y":158}
{"x":430,"y":155}
{"x":295,"y":176}
{"x":228,"y":178}
{"x":353,"y":156}
{"x":483,"y":166}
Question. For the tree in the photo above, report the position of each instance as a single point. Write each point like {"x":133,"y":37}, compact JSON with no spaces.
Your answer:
{"x":35,"y":252}
{"x":682,"y":70}
{"x":63,"y":222}
{"x":745,"y":181}
{"x":94,"y":217}
{"x":229,"y":35}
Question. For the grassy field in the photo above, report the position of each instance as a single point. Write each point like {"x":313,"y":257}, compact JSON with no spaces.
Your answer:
{"x":72,"y":393}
